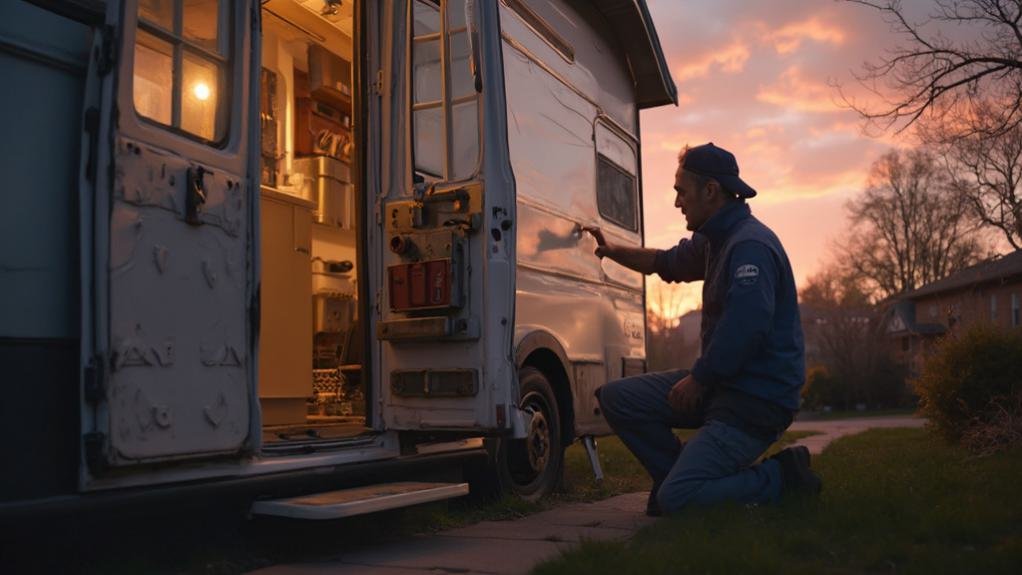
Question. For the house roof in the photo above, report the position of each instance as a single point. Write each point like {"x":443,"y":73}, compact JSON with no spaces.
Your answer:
{"x":999,"y":268}
{"x":633,"y":25}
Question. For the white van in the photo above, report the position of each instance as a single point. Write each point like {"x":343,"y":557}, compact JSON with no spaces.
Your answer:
{"x":247,"y":242}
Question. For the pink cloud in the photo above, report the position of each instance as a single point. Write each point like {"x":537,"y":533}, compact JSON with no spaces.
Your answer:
{"x":794,"y":91}
{"x":789,"y":37}
{"x":730,"y":59}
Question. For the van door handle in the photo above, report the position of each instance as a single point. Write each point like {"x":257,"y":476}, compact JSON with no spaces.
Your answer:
{"x":195,"y":195}
{"x":576,"y":231}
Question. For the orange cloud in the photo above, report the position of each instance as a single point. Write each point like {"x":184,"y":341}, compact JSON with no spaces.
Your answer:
{"x":795,"y":92}
{"x":790,"y":37}
{"x":730,"y":59}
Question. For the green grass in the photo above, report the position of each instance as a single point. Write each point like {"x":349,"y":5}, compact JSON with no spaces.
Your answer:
{"x":894,"y":501}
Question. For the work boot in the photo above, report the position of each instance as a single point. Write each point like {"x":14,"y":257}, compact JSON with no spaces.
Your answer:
{"x":796,"y":476}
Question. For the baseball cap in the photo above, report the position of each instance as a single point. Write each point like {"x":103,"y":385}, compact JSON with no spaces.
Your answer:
{"x":719,"y":164}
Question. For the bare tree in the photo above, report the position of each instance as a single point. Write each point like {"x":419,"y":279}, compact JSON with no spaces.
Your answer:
{"x":909,"y":227}
{"x":956,"y":79}
{"x":667,"y":347}
{"x":960,"y":66}
{"x":987,"y":172}
{"x":842,"y":335}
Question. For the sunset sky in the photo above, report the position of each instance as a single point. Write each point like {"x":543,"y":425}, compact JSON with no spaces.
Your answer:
{"x":755,"y":78}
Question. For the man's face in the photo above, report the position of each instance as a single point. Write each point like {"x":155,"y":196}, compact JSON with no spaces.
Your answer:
{"x":692,"y":199}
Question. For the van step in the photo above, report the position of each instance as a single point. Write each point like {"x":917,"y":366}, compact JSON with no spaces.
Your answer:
{"x":358,"y":500}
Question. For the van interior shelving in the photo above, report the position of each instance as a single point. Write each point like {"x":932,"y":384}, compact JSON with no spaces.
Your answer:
{"x":312,"y":387}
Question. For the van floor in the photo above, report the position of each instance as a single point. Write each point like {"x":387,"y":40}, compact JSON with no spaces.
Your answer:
{"x":327,"y":428}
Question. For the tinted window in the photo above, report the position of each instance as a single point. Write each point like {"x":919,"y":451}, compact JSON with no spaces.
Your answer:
{"x":615,"y":194}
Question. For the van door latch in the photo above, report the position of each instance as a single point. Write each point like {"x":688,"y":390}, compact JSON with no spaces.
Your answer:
{"x":196,"y":194}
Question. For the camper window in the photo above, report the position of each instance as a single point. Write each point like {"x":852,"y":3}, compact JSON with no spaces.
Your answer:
{"x":181,"y":60}
{"x":445,"y":104}
{"x":615,"y":194}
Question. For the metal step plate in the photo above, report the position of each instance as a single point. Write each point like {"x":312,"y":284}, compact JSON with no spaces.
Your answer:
{"x":359,"y":500}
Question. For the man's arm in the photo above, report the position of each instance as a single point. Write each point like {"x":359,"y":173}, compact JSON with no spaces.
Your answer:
{"x":748,"y":314}
{"x":636,"y":258}
{"x":684,"y":262}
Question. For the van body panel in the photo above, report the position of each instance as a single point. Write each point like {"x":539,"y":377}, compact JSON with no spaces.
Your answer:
{"x":564,"y":115}
{"x":38,"y":229}
{"x":378,"y":448}
{"x":171,"y":346}
{"x":597,"y":69}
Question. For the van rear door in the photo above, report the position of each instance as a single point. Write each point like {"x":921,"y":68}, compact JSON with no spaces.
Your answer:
{"x":442,"y":251}
{"x":168,"y":252}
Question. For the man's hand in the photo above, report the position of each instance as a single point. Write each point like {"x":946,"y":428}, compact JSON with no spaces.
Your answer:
{"x":602,"y":248}
{"x":686,"y":395}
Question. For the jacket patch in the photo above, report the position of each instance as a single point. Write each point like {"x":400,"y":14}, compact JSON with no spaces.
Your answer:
{"x":746,"y":274}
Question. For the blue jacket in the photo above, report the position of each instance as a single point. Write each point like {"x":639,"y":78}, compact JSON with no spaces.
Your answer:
{"x":751,"y":332}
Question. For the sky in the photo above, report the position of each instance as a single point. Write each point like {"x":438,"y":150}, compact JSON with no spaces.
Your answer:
{"x":757,"y":78}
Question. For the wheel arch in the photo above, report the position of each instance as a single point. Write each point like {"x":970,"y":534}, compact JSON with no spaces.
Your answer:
{"x":541,"y":350}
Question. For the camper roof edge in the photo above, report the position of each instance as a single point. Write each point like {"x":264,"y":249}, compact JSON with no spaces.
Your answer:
{"x":634,"y":27}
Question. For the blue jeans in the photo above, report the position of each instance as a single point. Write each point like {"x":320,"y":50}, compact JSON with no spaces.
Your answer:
{"x":717,"y":464}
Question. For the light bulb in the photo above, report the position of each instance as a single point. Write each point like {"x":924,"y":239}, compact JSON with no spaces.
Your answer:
{"x":201,"y":91}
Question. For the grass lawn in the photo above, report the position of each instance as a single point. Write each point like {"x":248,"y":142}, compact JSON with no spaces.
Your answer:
{"x":894,"y":501}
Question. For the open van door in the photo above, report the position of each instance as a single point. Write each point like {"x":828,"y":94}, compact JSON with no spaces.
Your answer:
{"x":168,"y":252}
{"x":442,"y":250}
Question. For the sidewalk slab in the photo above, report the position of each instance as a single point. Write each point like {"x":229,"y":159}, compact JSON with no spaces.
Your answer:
{"x":490,"y":547}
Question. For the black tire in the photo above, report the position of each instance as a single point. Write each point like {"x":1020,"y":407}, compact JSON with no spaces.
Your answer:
{"x":533,"y":467}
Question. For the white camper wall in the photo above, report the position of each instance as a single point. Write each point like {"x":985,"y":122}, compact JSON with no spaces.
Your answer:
{"x":556,"y":109}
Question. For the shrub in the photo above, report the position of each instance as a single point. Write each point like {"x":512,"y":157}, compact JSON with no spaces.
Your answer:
{"x":972,"y":383}
{"x":820,"y":388}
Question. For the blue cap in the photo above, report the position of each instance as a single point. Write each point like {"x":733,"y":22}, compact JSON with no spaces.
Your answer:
{"x":717,"y":163}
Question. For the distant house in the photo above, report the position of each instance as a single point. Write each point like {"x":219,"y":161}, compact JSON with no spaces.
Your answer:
{"x":989,"y":292}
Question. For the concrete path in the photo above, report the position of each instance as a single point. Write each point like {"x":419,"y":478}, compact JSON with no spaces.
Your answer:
{"x":512,"y":547}
{"x":490,"y":547}
{"x":831,"y":430}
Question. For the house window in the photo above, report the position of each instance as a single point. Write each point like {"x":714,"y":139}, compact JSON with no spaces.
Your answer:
{"x":181,"y":61}
{"x":1014,"y":310}
{"x":933,"y":311}
{"x":445,"y":104}
{"x":993,"y":307}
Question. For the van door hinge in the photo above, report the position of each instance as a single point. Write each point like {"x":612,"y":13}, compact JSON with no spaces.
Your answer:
{"x":92,"y":130}
{"x":378,"y":83}
{"x":106,"y":52}
{"x":94,"y":444}
{"x":94,"y":390}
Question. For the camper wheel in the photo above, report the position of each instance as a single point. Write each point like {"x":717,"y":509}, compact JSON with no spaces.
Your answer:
{"x":531,"y":467}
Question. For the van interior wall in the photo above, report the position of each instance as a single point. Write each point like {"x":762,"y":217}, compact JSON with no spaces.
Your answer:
{"x":310,"y":363}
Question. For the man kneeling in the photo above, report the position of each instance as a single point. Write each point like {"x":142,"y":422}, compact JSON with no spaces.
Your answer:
{"x":743,"y":391}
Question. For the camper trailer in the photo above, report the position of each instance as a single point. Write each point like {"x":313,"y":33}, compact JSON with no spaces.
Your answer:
{"x":250,"y":242}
